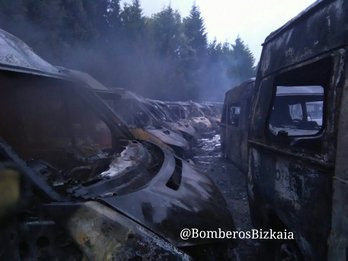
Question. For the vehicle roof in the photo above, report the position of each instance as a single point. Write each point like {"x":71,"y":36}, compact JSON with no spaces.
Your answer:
{"x":292,"y":22}
{"x":126,"y":94}
{"x":235,"y":94}
{"x":97,"y":86}
{"x":91,"y":82}
{"x":16,"y":55}
{"x":317,"y":30}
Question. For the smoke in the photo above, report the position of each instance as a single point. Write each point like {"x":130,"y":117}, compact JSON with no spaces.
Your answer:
{"x":118,"y":61}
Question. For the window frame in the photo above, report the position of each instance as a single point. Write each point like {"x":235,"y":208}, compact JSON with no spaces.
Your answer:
{"x":330,"y":60}
{"x":304,"y":112}
{"x":229,"y":121}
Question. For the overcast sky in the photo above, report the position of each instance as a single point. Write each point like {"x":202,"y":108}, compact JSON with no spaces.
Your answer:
{"x":252,"y":20}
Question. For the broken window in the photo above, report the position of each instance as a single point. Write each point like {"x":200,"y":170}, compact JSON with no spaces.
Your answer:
{"x":43,"y":120}
{"x":293,"y":113}
{"x":233,"y":115}
{"x":90,"y":134}
{"x":298,"y":103}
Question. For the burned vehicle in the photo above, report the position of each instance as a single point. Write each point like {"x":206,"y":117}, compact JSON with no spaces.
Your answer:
{"x":235,"y":121}
{"x":75,"y":183}
{"x":191,"y":111}
{"x":160,"y":108}
{"x":131,"y":109}
{"x":213,"y":112}
{"x":178,"y":110}
{"x":297,"y":111}
{"x":297,"y":178}
{"x":197,"y":117}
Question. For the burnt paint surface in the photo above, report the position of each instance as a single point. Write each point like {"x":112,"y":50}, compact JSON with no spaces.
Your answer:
{"x":104,"y":234}
{"x":323,"y":26}
{"x":169,"y":137}
{"x":298,"y":193}
{"x":288,"y":179}
{"x":235,"y":138}
{"x":289,"y":182}
{"x":193,"y":202}
{"x":177,"y":194}
{"x":338,"y":241}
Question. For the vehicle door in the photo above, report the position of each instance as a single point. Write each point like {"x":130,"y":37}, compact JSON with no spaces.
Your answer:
{"x":292,"y":155}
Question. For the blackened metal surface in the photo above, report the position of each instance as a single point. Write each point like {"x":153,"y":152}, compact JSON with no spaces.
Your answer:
{"x":158,"y":128}
{"x":234,"y":138}
{"x":105,"y":234}
{"x":289,"y":189}
{"x":323,"y":28}
{"x":45,"y":240}
{"x":176,"y":197}
{"x":7,"y":152}
{"x":166,"y":210}
{"x":15,"y":53}
{"x":127,"y":172}
{"x":291,"y":181}
{"x":169,"y":137}
{"x":338,"y":240}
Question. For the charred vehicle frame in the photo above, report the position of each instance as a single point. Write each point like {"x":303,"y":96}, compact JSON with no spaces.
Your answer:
{"x":133,"y":110}
{"x":297,"y":173}
{"x":235,"y":120}
{"x":77,"y":184}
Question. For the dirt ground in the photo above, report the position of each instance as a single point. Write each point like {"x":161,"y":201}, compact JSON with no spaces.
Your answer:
{"x":232,"y":183}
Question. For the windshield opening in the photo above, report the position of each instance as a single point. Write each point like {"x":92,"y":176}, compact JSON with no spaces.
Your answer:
{"x":132,"y":112}
{"x":297,"y":110}
{"x":45,"y":120}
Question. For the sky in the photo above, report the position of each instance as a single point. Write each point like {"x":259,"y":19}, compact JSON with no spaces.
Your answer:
{"x":252,"y":20}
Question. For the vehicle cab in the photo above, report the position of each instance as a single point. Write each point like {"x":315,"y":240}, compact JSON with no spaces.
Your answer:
{"x":297,"y":177}
{"x":75,"y":182}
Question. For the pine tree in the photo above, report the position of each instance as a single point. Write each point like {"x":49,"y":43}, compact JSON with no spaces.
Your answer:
{"x":166,"y":31}
{"x":133,"y":21}
{"x":243,"y":60}
{"x":113,"y":16}
{"x":195,"y":31}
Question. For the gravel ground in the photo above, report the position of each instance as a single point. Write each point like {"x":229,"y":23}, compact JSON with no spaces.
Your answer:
{"x":232,"y":184}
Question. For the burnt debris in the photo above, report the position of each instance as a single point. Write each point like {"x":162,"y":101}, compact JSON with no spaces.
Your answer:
{"x":96,"y":172}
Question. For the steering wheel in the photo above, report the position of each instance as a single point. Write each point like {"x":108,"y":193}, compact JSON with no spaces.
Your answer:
{"x":297,"y":121}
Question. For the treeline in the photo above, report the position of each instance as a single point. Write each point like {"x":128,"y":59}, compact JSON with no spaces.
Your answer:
{"x":163,"y":56}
